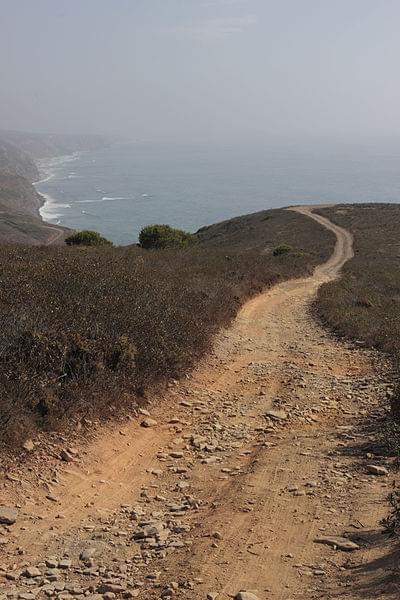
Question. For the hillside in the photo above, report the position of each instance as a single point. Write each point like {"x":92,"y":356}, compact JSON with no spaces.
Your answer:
{"x":15,"y":161}
{"x":124,"y":319}
{"x":20,"y":222}
{"x":242,"y":477}
{"x":17,"y":195}
{"x":365,"y":303}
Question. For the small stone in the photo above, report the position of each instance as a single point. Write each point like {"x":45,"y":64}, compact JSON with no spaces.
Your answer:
{"x":339,"y":542}
{"x":65,"y":563}
{"x":144,"y":412}
{"x":66,"y":456}
{"x":148,"y":423}
{"x":8,"y":516}
{"x":376,"y":470}
{"x":28,"y":445}
{"x":277,"y":415}
{"x":87,"y":554}
{"x":104,"y":588}
{"x":32,"y":572}
{"x":51,"y":562}
{"x":246,"y":596}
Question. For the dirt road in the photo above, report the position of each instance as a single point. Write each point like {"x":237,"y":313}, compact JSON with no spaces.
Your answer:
{"x":262,"y":451}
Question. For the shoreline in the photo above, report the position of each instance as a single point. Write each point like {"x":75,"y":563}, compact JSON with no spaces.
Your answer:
{"x":47,"y":168}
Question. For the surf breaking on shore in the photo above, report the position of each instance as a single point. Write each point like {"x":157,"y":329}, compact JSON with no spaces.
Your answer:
{"x":50,"y":209}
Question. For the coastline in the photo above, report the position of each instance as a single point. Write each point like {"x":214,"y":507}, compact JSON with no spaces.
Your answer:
{"x":47,"y":170}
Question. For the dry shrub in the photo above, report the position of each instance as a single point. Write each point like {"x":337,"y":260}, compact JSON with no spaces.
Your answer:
{"x":82,"y":326}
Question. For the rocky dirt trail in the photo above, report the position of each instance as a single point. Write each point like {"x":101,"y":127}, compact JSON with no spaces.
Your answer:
{"x":260,"y":473}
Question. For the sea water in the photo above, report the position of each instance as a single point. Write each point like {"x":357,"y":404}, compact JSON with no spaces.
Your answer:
{"x":119,"y":189}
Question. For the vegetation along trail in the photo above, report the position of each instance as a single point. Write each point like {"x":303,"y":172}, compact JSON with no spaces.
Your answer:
{"x":242,"y":478}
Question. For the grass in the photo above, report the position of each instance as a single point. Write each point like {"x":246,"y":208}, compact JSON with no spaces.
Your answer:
{"x":87,"y":330}
{"x":365,"y":303}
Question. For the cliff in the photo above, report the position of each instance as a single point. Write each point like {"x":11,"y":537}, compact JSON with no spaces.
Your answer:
{"x":16,"y":161}
{"x":18,"y":195}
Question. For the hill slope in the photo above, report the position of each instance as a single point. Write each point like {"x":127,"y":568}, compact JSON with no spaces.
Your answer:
{"x":15,"y":161}
{"x":241,"y":468}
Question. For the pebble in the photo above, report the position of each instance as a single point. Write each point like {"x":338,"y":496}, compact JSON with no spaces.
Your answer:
{"x":32,"y":572}
{"x":148,"y":423}
{"x":377,"y":470}
{"x":278,"y":415}
{"x":8,"y":516}
{"x":246,"y":596}
{"x":339,"y":542}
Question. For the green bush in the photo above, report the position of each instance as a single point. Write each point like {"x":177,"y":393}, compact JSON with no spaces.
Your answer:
{"x":282,"y":249}
{"x":391,"y":523}
{"x":87,"y":238}
{"x":163,"y":236}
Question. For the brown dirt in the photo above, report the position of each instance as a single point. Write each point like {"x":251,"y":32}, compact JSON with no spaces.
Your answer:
{"x":258,"y":494}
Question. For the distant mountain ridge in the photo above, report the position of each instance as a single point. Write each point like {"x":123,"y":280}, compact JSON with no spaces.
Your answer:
{"x":46,"y":145}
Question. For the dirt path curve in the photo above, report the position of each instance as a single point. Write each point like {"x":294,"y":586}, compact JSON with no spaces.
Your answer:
{"x":56,"y":236}
{"x":264,"y":449}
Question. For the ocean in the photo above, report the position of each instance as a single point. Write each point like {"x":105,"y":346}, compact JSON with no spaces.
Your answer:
{"x":119,"y":189}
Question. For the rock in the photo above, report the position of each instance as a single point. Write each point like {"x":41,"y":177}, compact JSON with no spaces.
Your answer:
{"x":8,"y":516}
{"x":246,"y":596}
{"x":51,"y":562}
{"x":65,"y":563}
{"x":104,"y":588}
{"x":176,"y":454}
{"x":32,"y":572}
{"x":87,"y":554}
{"x":376,"y":470}
{"x":148,"y":423}
{"x":28,"y":445}
{"x":276,"y":415}
{"x":66,"y":456}
{"x":212,"y":595}
{"x":339,"y":542}
{"x":144,"y":412}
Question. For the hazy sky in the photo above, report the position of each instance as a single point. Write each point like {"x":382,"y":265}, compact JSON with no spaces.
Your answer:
{"x":198,"y":69}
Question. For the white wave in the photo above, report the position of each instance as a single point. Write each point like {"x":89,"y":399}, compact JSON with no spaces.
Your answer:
{"x":145,"y":195}
{"x":47,"y":177}
{"x":105,"y":198}
{"x":50,"y":211}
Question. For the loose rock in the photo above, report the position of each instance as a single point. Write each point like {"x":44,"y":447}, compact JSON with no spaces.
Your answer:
{"x":8,"y":516}
{"x":339,"y":542}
